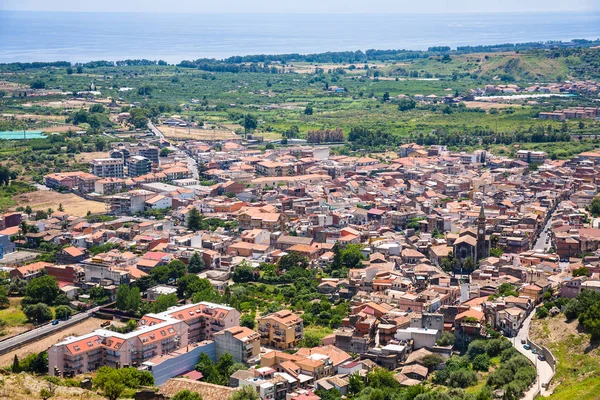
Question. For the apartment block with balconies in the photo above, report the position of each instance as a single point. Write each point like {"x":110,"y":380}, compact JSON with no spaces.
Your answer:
{"x":281,"y":330}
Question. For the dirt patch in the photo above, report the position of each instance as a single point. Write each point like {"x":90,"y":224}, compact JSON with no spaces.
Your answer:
{"x":87,"y":157}
{"x":73,"y":204}
{"x":45,"y":343}
{"x":486,"y":105}
{"x":26,"y":387}
{"x":197,"y":134}
{"x":552,"y":330}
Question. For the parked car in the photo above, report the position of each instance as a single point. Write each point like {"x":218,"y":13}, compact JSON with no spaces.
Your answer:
{"x":55,"y":322}
{"x":526,"y":347}
{"x":523,"y":341}
{"x":534,"y":351}
{"x":541,"y":357}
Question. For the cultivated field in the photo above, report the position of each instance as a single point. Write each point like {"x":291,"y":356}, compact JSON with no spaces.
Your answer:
{"x":486,"y":105}
{"x":73,"y":204}
{"x":196,"y":134}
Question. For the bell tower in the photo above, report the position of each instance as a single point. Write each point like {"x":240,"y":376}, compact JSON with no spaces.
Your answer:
{"x":481,"y":242}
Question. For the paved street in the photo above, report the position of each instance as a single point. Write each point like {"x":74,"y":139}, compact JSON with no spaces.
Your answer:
{"x":10,"y":343}
{"x":540,"y":244}
{"x":190,"y":161}
{"x":544,"y":371}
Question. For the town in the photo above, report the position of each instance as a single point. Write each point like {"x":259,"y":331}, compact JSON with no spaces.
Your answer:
{"x":300,"y":273}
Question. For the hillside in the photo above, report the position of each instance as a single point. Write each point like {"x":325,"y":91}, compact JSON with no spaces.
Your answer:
{"x":578,"y":372}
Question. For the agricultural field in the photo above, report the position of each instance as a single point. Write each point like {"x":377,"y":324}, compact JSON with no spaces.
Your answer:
{"x":181,"y":133}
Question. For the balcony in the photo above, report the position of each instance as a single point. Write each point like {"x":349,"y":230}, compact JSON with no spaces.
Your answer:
{"x":73,"y":367}
{"x":73,"y":359}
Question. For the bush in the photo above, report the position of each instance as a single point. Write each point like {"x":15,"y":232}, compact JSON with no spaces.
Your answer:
{"x":481,"y":362}
{"x":447,"y":339}
{"x":462,"y":378}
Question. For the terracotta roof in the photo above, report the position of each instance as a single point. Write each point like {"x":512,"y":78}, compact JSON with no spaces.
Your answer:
{"x":208,"y":391}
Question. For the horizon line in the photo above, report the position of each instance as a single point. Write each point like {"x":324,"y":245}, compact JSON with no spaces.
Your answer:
{"x":569,"y":11}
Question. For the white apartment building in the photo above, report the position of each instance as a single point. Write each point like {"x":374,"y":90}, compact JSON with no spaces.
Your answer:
{"x":157,"y":335}
{"x":107,"y":167}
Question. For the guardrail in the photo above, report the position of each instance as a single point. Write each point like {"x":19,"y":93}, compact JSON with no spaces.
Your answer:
{"x":61,"y":326}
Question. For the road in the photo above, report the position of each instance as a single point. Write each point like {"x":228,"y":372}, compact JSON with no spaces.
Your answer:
{"x":190,"y":160}
{"x":29,"y":336}
{"x":544,"y":370}
{"x":540,"y":244}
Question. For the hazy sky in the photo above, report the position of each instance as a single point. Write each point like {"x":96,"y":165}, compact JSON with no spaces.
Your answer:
{"x":302,"y":6}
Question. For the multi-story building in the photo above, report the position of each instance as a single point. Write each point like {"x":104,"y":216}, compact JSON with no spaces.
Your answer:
{"x":107,"y":167}
{"x":241,"y":342}
{"x":530,"y":156}
{"x":262,"y":218}
{"x":138,"y":166}
{"x":78,"y":180}
{"x":162,"y":334}
{"x":282,"y":330}
{"x":274,"y":168}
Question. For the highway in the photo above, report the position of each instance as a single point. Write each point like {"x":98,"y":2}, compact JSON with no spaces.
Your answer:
{"x":544,"y":370}
{"x":44,"y":330}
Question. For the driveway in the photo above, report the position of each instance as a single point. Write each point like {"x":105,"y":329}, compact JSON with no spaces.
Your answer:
{"x":544,"y":370}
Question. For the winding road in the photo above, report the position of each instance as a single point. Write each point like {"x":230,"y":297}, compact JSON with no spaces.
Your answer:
{"x":544,"y":370}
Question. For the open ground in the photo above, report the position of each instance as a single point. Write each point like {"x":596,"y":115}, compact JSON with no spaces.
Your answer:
{"x":73,"y":204}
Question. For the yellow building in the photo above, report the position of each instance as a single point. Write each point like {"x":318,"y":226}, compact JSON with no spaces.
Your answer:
{"x":282,"y":330}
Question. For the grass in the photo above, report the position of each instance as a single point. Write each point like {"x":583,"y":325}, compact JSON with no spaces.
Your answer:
{"x":578,"y":369}
{"x":13,"y":315}
{"x":317,"y":331}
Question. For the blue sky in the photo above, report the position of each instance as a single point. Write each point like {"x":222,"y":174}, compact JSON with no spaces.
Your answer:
{"x":303,"y":6}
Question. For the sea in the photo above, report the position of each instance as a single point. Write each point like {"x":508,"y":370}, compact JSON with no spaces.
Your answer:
{"x":82,"y":37}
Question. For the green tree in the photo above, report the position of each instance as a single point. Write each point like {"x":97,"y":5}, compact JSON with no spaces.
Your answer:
{"x":128,"y":299}
{"x":245,"y":393}
{"x":250,"y":123}
{"x":196,"y":264}
{"x":194,"y":220}
{"x":113,"y":389}
{"x":97,"y":108}
{"x":447,"y":339}
{"x":164,"y":301}
{"x":38,"y":313}
{"x":406,"y":104}
{"x":16,"y":368}
{"x":292,"y":260}
{"x":248,"y":320}
{"x":595,"y":207}
{"x":43,"y":289}
{"x":243,"y":273}
{"x":38,"y":84}
{"x":308,"y":110}
{"x":582,"y":271}
{"x":355,"y":383}
{"x":481,"y":362}
{"x":431,"y":361}
{"x":139,"y":118}
{"x":63,"y":312}
{"x":187,"y":395}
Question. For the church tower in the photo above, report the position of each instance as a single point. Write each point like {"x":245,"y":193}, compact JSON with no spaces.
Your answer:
{"x":482,"y":245}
